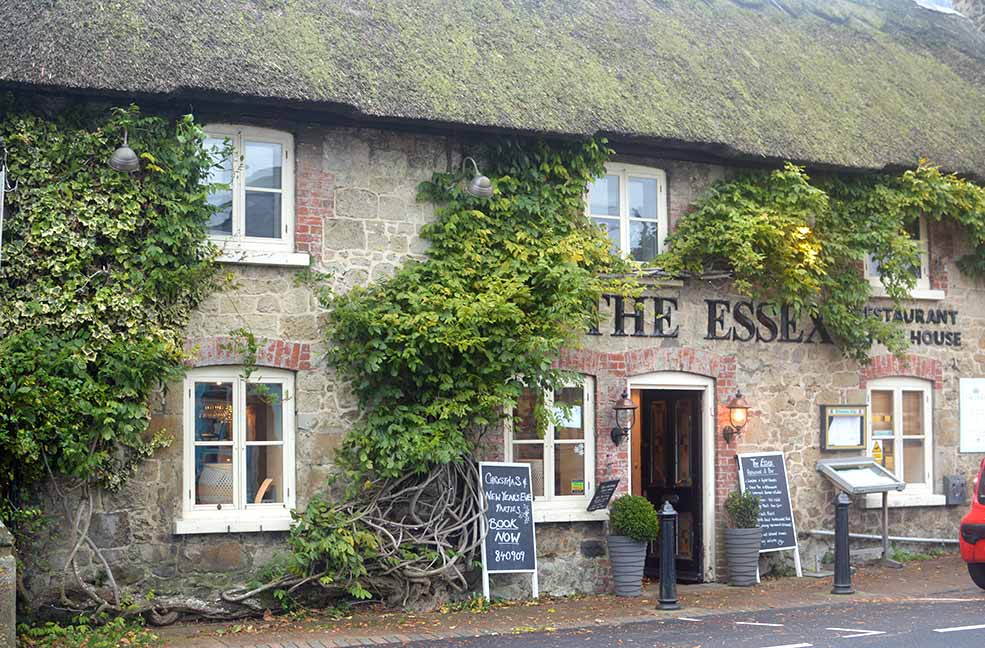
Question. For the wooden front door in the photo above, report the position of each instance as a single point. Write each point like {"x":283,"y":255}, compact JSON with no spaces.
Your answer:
{"x":671,"y":471}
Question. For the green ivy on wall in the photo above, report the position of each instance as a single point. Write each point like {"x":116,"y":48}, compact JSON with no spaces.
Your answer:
{"x":792,"y":240}
{"x":100,"y":272}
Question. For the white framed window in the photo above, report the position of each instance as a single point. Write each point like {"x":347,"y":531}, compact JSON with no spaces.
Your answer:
{"x":630,"y":203}
{"x":901,"y":424}
{"x":256,"y":211}
{"x":562,"y":455}
{"x":238,"y":451}
{"x":917,"y":232}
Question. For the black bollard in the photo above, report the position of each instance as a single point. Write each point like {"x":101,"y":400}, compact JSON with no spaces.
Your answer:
{"x":843,"y":562}
{"x":668,"y":571}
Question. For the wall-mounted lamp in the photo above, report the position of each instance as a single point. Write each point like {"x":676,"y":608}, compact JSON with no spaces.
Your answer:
{"x":480,"y":186}
{"x":625,"y":416}
{"x":124,"y":159}
{"x":738,"y":415}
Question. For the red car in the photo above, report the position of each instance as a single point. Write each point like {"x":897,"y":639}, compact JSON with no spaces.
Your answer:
{"x":973,"y":532}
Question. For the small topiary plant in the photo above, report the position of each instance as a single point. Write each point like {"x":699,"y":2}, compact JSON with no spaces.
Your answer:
{"x":743,"y":509}
{"x":634,"y":516}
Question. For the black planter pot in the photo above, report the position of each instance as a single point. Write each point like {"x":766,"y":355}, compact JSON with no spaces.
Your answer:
{"x":742,"y":554}
{"x":627,"y":557}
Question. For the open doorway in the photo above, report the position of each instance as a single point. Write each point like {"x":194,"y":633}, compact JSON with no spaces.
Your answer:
{"x":672,"y":459}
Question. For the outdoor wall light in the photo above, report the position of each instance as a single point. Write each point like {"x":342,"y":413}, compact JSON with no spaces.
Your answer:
{"x":738,"y":415}
{"x":124,"y":159}
{"x":625,"y":416}
{"x":480,"y":186}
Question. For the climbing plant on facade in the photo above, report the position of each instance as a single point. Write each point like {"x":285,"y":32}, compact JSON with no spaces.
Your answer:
{"x":436,"y":355}
{"x":100,"y":272}
{"x":791,"y":239}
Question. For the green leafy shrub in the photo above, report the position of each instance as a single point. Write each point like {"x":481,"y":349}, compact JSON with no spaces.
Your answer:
{"x":634,"y":516}
{"x":742,"y":509}
{"x":100,"y":272}
{"x":794,"y":241}
{"x":86,"y":634}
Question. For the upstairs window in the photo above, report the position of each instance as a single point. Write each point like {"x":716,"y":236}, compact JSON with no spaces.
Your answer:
{"x":256,"y":210}
{"x":918,"y":232}
{"x":630,"y":203}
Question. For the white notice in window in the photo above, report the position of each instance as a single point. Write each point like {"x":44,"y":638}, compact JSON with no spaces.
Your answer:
{"x":972,"y":415}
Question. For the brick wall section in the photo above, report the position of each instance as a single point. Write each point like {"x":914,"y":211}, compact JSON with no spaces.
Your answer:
{"x":886,"y":366}
{"x":314,"y":198}
{"x":224,"y":350}
{"x":611,"y":371}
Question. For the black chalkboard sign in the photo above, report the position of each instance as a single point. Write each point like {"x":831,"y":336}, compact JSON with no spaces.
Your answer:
{"x":602,"y":495}
{"x":765,"y":474}
{"x":509,"y":545}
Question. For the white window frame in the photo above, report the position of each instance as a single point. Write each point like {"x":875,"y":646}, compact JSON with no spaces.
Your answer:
{"x":237,"y":247}
{"x":921,"y":290}
{"x":624,"y":172}
{"x":240,"y":516}
{"x":915,"y":494}
{"x":563,"y":508}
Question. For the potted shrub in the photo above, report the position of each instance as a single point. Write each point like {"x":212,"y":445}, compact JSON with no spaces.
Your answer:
{"x":632,"y":523}
{"x":742,"y":538}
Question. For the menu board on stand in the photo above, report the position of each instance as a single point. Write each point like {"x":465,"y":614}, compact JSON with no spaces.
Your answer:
{"x":509,"y":544}
{"x":765,"y":474}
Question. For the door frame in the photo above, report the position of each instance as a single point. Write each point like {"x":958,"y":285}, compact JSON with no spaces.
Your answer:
{"x":682,"y":381}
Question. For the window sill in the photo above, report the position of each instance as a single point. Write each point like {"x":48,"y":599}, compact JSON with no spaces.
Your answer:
{"x":258,"y":257}
{"x":547,"y":513}
{"x":192,"y":525}
{"x":904,"y":500}
{"x":918,"y":295}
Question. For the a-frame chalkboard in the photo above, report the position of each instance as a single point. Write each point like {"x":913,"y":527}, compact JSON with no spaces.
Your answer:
{"x":765,"y":474}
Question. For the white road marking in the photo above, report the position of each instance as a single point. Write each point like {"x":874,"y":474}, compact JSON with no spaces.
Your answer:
{"x":857,"y":632}
{"x":960,"y":628}
{"x":753,"y":623}
{"x":687,"y":619}
{"x":947,"y":600}
{"x":800,"y":645}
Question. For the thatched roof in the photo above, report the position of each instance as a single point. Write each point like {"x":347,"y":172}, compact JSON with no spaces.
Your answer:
{"x":858,"y":84}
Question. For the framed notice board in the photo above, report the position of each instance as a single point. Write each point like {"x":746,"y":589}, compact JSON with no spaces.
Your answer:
{"x":843,"y":427}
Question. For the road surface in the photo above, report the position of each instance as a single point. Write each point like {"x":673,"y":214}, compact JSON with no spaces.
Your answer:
{"x":951,"y":621}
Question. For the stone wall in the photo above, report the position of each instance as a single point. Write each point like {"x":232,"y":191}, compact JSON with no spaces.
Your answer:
{"x":8,"y":590}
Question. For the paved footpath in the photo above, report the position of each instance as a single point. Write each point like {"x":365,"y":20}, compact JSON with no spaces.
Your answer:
{"x":889,"y":598}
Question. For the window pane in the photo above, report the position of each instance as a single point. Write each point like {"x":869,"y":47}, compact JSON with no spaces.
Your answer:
{"x":533,"y":454}
{"x":913,"y":413}
{"x":572,"y":424}
{"x":263,"y":214}
{"x":264,"y":474}
{"x":221,"y":221}
{"x":213,"y":411}
{"x":263,"y":164}
{"x":643,"y":240}
{"x":913,"y":229}
{"x":569,"y":469}
{"x":524,"y":421}
{"x":603,"y":196}
{"x":682,"y":443}
{"x":643,"y":198}
{"x":264,"y":412}
{"x":888,"y":454}
{"x":612,"y":230}
{"x":214,"y":475}
{"x":882,"y":414}
{"x":913,"y":465}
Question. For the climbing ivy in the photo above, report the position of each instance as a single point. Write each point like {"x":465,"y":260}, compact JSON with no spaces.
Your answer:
{"x":436,"y":353}
{"x":100,"y":270}
{"x":791,"y":239}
